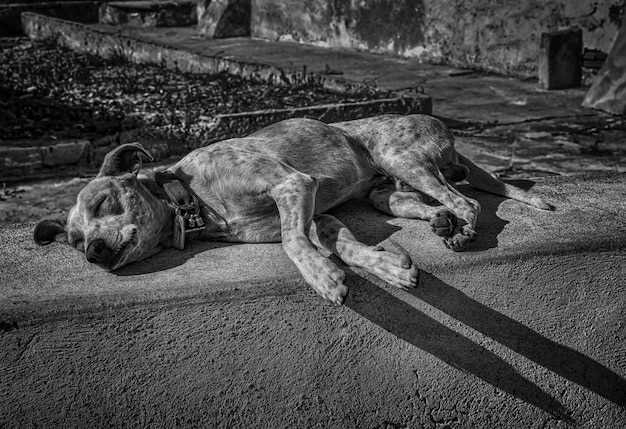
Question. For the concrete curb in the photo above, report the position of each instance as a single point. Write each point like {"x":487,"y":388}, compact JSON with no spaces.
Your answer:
{"x":23,"y":163}
{"x":108,"y":42}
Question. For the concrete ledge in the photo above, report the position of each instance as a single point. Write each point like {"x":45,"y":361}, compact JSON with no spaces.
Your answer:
{"x":24,"y":162}
{"x":138,"y":46}
{"x":524,"y":329}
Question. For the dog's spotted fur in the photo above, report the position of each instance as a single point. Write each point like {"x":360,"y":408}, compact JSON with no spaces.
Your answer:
{"x":276,"y":185}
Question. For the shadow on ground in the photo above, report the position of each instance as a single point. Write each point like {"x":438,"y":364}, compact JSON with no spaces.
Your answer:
{"x":169,"y":258}
{"x":562,"y":360}
{"x":431,"y":336}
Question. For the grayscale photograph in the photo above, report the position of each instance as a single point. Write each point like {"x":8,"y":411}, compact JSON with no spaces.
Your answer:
{"x":386,"y":214}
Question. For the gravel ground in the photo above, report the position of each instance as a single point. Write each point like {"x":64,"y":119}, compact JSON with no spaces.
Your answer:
{"x":48,"y":91}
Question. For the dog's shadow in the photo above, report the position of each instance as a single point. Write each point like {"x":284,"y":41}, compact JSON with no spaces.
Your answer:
{"x":490,"y":225}
{"x":373,"y":227}
{"x":168,"y":258}
{"x":422,"y":331}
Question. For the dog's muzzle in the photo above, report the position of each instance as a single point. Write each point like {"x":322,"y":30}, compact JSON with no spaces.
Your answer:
{"x":99,"y":253}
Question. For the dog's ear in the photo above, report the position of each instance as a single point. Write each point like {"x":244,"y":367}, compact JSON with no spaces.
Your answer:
{"x":123,"y":159}
{"x":49,"y":230}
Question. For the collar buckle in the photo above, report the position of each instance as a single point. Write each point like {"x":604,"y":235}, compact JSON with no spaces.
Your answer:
{"x":186,"y":207}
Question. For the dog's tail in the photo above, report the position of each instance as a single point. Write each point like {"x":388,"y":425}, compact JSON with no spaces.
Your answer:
{"x":484,"y":181}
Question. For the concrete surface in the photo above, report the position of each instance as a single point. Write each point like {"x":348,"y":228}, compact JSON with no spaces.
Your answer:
{"x":179,"y":48}
{"x":501,"y":36}
{"x":524,"y":330}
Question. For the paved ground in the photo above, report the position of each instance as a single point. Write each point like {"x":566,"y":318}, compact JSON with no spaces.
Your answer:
{"x":524,"y":330}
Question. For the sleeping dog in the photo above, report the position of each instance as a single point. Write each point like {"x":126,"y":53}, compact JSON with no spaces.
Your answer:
{"x":277,"y":185}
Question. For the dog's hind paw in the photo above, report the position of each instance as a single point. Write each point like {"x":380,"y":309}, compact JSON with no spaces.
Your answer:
{"x":460,"y":240}
{"x":444,"y":223}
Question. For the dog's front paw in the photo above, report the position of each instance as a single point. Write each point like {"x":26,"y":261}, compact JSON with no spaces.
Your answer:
{"x":395,"y":267}
{"x":327,"y":280}
{"x":461,"y":239}
{"x":444,"y":223}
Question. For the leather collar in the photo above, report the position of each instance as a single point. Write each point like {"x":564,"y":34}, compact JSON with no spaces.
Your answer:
{"x":189,"y":218}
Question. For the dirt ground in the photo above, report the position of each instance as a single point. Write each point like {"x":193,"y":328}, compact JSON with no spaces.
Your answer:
{"x":47,"y":91}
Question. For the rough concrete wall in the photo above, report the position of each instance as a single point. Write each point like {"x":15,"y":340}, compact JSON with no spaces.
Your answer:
{"x":490,"y":34}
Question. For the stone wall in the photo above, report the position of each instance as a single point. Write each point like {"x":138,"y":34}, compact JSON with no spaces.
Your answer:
{"x":498,"y":35}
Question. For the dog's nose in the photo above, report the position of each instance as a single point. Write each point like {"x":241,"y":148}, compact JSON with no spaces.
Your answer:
{"x":98,"y":252}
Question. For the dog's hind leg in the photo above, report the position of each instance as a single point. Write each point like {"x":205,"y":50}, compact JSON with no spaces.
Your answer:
{"x":426,"y":177}
{"x":295,"y":198}
{"x":412,"y":205}
{"x":332,"y":236}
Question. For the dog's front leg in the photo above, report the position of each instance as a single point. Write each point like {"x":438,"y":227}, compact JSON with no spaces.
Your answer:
{"x":295,"y":199}
{"x":394,"y":267}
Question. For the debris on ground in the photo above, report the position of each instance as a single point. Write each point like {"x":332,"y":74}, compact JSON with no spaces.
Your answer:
{"x":48,"y":91}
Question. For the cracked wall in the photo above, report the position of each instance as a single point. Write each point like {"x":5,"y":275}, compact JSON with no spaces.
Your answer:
{"x":501,"y":36}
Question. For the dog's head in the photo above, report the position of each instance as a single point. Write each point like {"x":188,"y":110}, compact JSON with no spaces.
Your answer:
{"x":117,"y":218}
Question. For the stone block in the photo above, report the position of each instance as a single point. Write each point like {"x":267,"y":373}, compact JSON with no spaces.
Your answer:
{"x":224,"y":18}
{"x":177,"y":13}
{"x":560,"y":59}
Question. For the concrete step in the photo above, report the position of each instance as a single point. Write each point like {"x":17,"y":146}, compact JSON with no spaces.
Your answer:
{"x":149,"y":13}
{"x":182,"y":48}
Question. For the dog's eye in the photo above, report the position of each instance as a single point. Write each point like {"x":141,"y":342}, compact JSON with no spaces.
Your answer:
{"x":80,"y":245}
{"x":76,"y":240}
{"x":107,"y":206}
